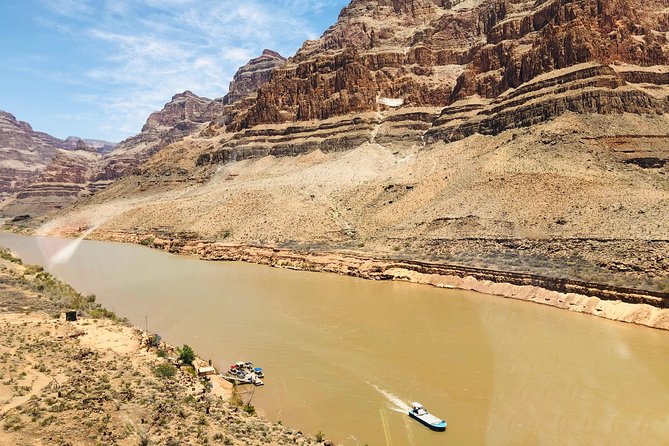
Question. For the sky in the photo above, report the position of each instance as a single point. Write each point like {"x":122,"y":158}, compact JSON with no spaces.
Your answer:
{"x":97,"y":68}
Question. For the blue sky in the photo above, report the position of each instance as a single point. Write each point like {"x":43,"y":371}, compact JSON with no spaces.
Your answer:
{"x":98,"y":68}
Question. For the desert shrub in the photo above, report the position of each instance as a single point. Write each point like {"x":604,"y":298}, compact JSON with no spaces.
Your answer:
{"x":6,"y":254}
{"x":147,"y":241}
{"x":663,"y":284}
{"x":33,"y":269}
{"x":186,"y":354}
{"x":165,"y":370}
{"x":320,"y":436}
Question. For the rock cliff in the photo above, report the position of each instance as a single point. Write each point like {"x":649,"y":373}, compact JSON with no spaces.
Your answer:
{"x":468,"y":56}
{"x":24,"y":153}
{"x":95,"y":145}
{"x":89,"y":165}
{"x":182,"y":116}
{"x":253,"y":75}
{"x":66,"y":179}
{"x":521,"y":136}
{"x":61,"y":177}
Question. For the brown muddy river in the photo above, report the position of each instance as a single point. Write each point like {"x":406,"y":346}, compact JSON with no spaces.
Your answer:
{"x":344,"y":355}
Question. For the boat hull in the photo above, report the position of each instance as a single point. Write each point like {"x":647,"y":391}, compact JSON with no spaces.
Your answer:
{"x":438,"y":427}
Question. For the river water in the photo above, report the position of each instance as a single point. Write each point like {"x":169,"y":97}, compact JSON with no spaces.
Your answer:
{"x":345,"y":356}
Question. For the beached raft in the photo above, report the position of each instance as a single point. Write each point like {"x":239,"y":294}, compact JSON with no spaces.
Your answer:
{"x":244,"y":373}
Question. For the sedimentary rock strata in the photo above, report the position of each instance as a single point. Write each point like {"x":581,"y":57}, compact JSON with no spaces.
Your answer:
{"x":489,"y":64}
{"x":183,"y":115}
{"x":66,"y":179}
{"x":24,"y":153}
{"x":256,"y":73}
{"x":28,"y":157}
{"x":412,"y":126}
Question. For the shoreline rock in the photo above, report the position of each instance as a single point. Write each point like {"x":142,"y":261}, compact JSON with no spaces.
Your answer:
{"x":639,"y":307}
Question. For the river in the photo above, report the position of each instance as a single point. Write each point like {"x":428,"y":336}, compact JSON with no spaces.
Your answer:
{"x":344,"y":355}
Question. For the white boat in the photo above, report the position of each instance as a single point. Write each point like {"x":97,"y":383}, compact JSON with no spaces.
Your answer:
{"x":421,"y":415}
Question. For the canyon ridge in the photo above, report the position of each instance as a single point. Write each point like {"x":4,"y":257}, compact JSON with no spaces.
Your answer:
{"x":505,"y":135}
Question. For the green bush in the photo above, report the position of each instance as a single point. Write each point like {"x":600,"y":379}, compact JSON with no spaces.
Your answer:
{"x":5,"y":254}
{"x":165,"y":370}
{"x":147,"y":241}
{"x":186,"y":354}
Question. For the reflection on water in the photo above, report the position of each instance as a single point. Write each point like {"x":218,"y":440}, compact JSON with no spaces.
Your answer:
{"x":345,"y":356}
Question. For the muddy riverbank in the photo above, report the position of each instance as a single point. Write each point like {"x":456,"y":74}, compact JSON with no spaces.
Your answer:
{"x":640,"y":307}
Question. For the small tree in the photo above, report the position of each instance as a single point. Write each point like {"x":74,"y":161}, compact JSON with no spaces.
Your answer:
{"x":186,"y":354}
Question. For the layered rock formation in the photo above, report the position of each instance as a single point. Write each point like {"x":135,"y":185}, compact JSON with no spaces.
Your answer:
{"x":66,"y":179}
{"x":97,"y":145}
{"x":184,"y":115}
{"x":467,"y":56}
{"x":30,"y":160}
{"x":78,"y":174}
{"x":24,"y":153}
{"x":66,"y":176}
{"x":256,"y":73}
{"x":444,"y":130}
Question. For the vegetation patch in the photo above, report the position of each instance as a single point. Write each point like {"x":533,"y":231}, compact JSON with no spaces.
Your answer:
{"x":165,"y":370}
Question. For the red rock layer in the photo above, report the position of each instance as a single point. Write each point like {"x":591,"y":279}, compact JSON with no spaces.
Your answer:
{"x":434,"y":52}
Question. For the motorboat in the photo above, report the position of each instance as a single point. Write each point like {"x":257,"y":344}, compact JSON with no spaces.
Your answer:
{"x":256,"y":381}
{"x":421,"y":415}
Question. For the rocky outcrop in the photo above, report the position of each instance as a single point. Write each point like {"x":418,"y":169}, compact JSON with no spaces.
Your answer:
{"x":584,"y":88}
{"x":24,"y":153}
{"x":95,"y":145}
{"x":256,"y":73}
{"x":66,"y":179}
{"x":184,"y":115}
{"x":66,"y":176}
{"x":490,"y":65}
{"x":526,"y":40}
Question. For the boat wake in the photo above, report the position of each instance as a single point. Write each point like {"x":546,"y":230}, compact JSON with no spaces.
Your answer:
{"x":395,"y":402}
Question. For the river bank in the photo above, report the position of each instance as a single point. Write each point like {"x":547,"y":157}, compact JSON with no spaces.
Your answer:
{"x":94,"y":380}
{"x":647,"y":308}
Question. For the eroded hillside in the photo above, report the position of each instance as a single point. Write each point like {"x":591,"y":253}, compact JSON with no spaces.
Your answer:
{"x":511,"y":135}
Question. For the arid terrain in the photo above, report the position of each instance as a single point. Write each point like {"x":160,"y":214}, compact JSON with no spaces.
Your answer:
{"x":503,"y":135}
{"x":556,"y":200}
{"x":94,"y":381}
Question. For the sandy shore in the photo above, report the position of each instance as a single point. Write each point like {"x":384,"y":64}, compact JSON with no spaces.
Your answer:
{"x":646,"y":308}
{"x":95,"y":381}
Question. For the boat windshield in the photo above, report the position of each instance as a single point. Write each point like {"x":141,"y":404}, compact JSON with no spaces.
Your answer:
{"x":419,"y":410}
